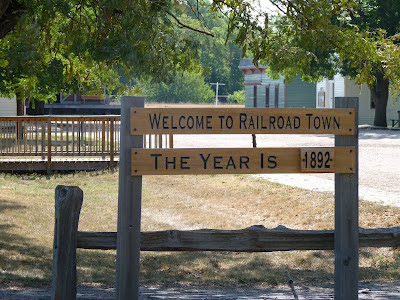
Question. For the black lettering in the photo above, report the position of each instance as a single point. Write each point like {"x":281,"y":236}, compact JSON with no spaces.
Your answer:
{"x":156,"y":156}
{"x":221,"y":118}
{"x":231,"y":163}
{"x":199,"y":122}
{"x":229,"y":122}
{"x":164,"y":122}
{"x":173,"y":162}
{"x":155,"y":121}
{"x":180,"y":120}
{"x":172,"y":123}
{"x":317,"y":125}
{"x":326,"y":122}
{"x":244,"y":160}
{"x":217,"y":162}
{"x":272,"y":162}
{"x":296,"y":122}
{"x":242,"y":120}
{"x":281,"y":122}
{"x":262,"y":160}
{"x":288,"y":123}
{"x":191,"y":120}
{"x":337,"y":122}
{"x":251,"y":123}
{"x":309,"y":120}
{"x":208,"y":122}
{"x":184,"y":163}
{"x":205,"y":160}
{"x":262,"y":123}
{"x":272,"y":122}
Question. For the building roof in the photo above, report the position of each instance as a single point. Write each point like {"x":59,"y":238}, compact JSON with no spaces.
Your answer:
{"x":247,"y":63}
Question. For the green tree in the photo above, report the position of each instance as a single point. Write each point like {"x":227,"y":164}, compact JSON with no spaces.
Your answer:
{"x":186,"y":87}
{"x":316,"y":39}
{"x":50,"y":46}
{"x":237,"y":97}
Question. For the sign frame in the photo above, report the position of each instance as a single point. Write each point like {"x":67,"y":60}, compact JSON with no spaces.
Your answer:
{"x":130,"y":192}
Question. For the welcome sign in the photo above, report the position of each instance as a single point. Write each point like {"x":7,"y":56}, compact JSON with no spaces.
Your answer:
{"x":241,"y":121}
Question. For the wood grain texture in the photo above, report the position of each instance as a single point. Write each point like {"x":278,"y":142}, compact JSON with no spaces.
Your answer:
{"x":253,"y":239}
{"x":129,"y":209}
{"x":346,"y":216}
{"x":68,"y":203}
{"x":235,"y":161}
{"x":242,"y":121}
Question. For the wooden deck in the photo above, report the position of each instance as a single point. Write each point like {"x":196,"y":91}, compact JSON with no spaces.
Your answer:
{"x":56,"y":164}
{"x":64,"y":143}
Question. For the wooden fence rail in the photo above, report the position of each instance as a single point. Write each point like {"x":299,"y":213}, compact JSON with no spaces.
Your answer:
{"x":59,"y":135}
{"x":256,"y":238}
{"x":64,"y":138}
{"x":253,"y":239}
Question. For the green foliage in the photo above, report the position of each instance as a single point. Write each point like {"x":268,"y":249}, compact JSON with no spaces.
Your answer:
{"x":237,"y":97}
{"x":78,"y":46}
{"x":186,"y":87}
{"x":315,"y":38}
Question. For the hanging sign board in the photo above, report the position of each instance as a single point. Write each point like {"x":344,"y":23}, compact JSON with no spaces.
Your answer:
{"x":242,"y":121}
{"x":242,"y":161}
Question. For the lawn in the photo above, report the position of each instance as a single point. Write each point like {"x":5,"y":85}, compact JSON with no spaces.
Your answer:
{"x":180,"y":202}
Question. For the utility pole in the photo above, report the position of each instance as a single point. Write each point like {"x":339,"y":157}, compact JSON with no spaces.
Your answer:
{"x":217,"y":84}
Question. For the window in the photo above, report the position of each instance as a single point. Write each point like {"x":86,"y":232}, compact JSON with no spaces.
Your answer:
{"x":276,"y":95}
{"x":267,"y":96}
{"x":255,"y":96}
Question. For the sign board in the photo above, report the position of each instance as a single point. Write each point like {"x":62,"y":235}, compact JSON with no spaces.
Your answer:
{"x":242,"y":121}
{"x":242,"y":161}
{"x":137,"y":121}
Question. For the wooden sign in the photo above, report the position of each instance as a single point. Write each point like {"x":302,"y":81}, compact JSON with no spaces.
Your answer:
{"x":242,"y":161}
{"x":242,"y":120}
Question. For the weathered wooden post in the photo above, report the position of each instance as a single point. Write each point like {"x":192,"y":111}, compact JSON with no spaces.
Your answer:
{"x":68,"y":203}
{"x":346,"y":215}
{"x":129,"y":208}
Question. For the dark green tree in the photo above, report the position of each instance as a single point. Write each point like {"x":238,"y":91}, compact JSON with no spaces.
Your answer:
{"x":49,"y":46}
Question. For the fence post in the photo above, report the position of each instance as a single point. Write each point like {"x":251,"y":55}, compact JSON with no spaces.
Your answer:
{"x":346,"y":215}
{"x":48,"y":164}
{"x":129,"y":208}
{"x":112,"y":143}
{"x":103,"y":139}
{"x":68,"y":202}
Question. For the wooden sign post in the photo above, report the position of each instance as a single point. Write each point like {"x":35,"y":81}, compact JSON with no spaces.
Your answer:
{"x":346,"y":215}
{"x":129,"y":208}
{"x":136,"y":161}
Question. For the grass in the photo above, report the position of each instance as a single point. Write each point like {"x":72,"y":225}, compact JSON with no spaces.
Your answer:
{"x":180,"y":202}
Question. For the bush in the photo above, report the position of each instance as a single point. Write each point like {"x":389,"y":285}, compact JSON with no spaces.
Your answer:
{"x":237,"y":97}
{"x":185,"y":88}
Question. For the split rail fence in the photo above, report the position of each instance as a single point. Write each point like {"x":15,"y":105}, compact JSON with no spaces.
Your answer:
{"x":345,"y":239}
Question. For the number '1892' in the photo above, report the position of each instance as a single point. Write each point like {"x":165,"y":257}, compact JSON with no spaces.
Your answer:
{"x":317,"y":160}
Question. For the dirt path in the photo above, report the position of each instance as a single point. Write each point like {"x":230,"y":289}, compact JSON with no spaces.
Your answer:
{"x":373,"y":290}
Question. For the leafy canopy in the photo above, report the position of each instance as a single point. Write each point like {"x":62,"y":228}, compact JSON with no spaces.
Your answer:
{"x":78,"y":45}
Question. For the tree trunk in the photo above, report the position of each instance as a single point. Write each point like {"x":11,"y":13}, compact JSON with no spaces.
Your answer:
{"x":20,"y":106}
{"x":380,"y":95}
{"x":20,"y":112}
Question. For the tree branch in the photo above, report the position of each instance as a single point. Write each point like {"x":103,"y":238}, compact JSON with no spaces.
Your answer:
{"x":186,"y":26}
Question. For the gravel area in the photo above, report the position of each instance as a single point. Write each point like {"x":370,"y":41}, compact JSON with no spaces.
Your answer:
{"x":379,"y":160}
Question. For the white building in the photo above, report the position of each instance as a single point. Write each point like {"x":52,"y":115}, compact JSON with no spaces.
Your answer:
{"x":8,"y":107}
{"x":341,"y":86}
